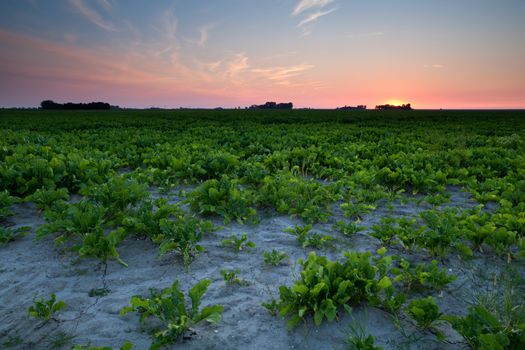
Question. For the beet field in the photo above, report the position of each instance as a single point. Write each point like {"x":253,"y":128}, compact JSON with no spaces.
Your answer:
{"x":240,"y":229}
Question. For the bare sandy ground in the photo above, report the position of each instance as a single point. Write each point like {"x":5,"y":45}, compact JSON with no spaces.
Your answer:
{"x":29,"y":268}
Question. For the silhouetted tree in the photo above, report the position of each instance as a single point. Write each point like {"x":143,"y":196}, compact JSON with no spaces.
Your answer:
{"x":48,"y":104}
{"x":388,"y":107}
{"x":273,"y":105}
{"x":349,"y":108}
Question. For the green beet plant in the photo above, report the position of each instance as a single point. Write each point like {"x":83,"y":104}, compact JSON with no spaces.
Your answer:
{"x":425,"y":312}
{"x":146,"y":220}
{"x":238,"y":243}
{"x":483,"y":330}
{"x":231,"y":277}
{"x":6,"y":201}
{"x":126,"y":346}
{"x":45,"y":310}
{"x":326,"y":286}
{"x":8,"y":234}
{"x":48,"y":198}
{"x":274,"y":257}
{"x":183,"y":235}
{"x":172,"y":314}
{"x":307,"y":238}
{"x":224,"y":198}
{"x":421,"y":277}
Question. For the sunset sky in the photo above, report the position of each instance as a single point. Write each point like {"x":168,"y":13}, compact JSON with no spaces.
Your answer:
{"x":314,"y":53}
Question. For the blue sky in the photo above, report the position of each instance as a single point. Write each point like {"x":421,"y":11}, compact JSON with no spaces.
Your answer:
{"x":318,"y":53}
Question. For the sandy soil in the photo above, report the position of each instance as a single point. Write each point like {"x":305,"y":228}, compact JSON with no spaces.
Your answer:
{"x":29,"y":268}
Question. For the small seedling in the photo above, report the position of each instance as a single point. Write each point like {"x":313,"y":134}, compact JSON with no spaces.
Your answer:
{"x":60,"y":340}
{"x":274,"y":258}
{"x":272,"y":307}
{"x":238,"y":243}
{"x":12,"y":341}
{"x":307,"y":238}
{"x":45,"y":309}
{"x":357,"y":338}
{"x":231,"y":277}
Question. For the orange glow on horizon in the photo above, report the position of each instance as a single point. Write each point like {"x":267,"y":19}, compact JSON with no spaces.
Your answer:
{"x":395,"y":102}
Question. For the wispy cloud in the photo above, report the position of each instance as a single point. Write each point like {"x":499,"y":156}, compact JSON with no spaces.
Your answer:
{"x":236,"y":66}
{"x":314,"y":17}
{"x":305,"y":5}
{"x":282,"y":75}
{"x":305,"y":8}
{"x":92,"y":15}
{"x":204,"y":35}
{"x":106,"y":4}
{"x":434,"y":66}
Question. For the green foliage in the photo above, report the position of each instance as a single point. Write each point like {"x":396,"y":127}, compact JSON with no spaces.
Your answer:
{"x":424,"y":311}
{"x":12,"y":341}
{"x":325,"y":286}
{"x":224,"y":198}
{"x":6,"y":201}
{"x":169,"y":308}
{"x":272,"y":307}
{"x":290,"y":194}
{"x":307,"y":238}
{"x":74,"y":219}
{"x":293,"y":162}
{"x":48,"y":198}
{"x":274,"y":258}
{"x":357,"y":338}
{"x":60,"y":339}
{"x":483,"y":331}
{"x":355,"y":211}
{"x":117,"y":194}
{"x":349,"y":228}
{"x":231,"y":277}
{"x":402,"y":231}
{"x":496,"y":320}
{"x":146,"y":220}
{"x":8,"y":234}
{"x":238,"y":243}
{"x":442,"y":233}
{"x":422,"y":276}
{"x":45,"y":310}
{"x":102,"y":246}
{"x":182,"y":235}
{"x":126,"y":346}
{"x":85,"y":225}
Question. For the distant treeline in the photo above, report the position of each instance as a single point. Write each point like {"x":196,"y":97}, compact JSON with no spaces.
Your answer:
{"x":392,"y":107}
{"x":350,"y":108}
{"x":48,"y":104}
{"x":273,"y":105}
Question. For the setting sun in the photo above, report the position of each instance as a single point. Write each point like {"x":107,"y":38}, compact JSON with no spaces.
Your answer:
{"x":394,"y":102}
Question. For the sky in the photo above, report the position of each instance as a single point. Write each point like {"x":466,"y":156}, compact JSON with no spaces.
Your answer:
{"x":229,"y":53}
